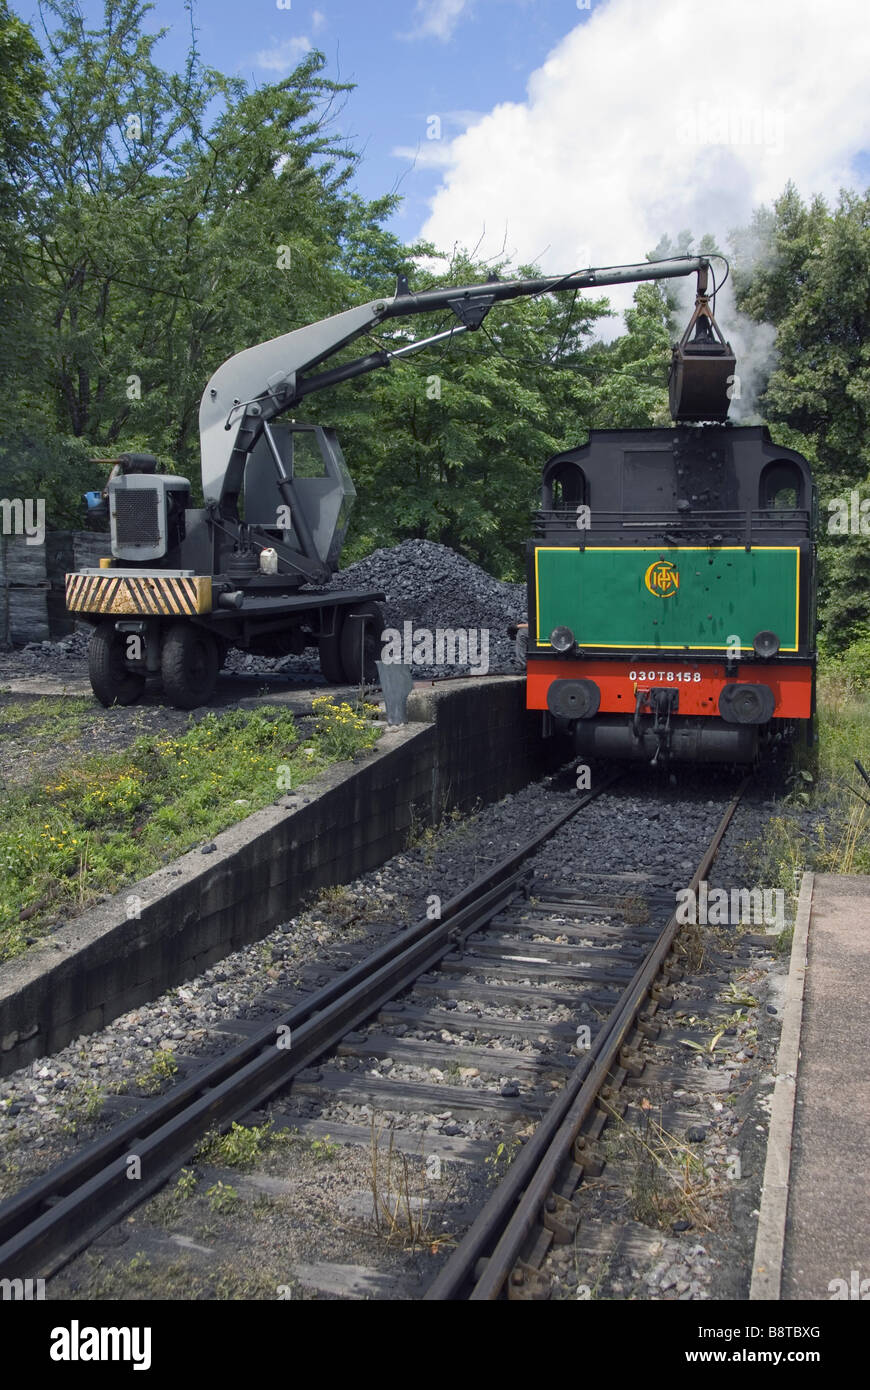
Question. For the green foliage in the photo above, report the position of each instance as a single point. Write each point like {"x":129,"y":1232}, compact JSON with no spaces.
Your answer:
{"x":222,"y":1197}
{"x":806,"y":269}
{"x":83,"y":1104}
{"x":160,"y":202}
{"x":162,"y":1069}
{"x":153,"y":223}
{"x":449,"y":444}
{"x":855,"y":663}
{"x":341,"y":730}
{"x":105,"y":820}
{"x":323,"y":1149}
{"x":237,"y":1148}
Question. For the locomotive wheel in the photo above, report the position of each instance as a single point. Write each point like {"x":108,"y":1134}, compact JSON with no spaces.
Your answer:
{"x":330,"y":654}
{"x":189,"y":665}
{"x":361,"y":643}
{"x":111,"y":681}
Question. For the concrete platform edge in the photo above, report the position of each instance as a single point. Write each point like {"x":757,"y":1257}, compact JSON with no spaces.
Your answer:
{"x":770,"y":1234}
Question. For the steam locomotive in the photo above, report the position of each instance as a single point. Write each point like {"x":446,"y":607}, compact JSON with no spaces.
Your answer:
{"x":672,"y":594}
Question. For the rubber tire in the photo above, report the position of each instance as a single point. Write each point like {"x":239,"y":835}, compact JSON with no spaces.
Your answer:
{"x":362,"y":628}
{"x":111,"y":682}
{"x":189,"y":665}
{"x":331,"y":667}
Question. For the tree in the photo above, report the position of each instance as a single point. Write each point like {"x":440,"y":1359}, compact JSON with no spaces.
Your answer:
{"x":449,"y":444}
{"x":807,"y":270}
{"x":169,"y":220}
{"x":21,"y":84}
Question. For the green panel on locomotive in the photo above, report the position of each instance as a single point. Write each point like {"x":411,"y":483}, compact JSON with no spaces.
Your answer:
{"x":690,"y":597}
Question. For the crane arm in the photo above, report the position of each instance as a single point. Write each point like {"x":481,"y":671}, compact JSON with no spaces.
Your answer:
{"x":263,"y":381}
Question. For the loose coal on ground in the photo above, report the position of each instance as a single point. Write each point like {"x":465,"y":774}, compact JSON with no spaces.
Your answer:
{"x":431,"y":587}
{"x":426,"y":584}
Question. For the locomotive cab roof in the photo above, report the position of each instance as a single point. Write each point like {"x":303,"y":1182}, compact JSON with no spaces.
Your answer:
{"x":712,"y":472}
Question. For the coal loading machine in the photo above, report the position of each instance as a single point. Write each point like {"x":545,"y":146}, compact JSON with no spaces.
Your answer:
{"x":252,"y":567}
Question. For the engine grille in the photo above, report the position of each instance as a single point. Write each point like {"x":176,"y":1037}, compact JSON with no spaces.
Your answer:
{"x":136,"y":517}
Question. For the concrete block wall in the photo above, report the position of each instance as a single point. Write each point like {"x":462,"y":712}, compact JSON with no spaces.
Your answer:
{"x":470,"y":741}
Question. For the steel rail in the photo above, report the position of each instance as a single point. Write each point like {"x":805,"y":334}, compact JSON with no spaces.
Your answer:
{"x":502,"y":1228}
{"x":53,"y":1218}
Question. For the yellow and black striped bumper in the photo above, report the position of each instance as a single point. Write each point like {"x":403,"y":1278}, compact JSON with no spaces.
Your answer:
{"x":147,"y":595}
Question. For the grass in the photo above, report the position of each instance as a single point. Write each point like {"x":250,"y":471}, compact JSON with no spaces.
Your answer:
{"x":401,"y":1217}
{"x":823,"y":780}
{"x":51,"y":720}
{"x":844,"y":734}
{"x":105,"y":820}
{"x":82,"y":1105}
{"x":670,"y":1179}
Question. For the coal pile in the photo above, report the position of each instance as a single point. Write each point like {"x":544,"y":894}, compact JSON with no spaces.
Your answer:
{"x":433,"y":588}
{"x":427,"y":585}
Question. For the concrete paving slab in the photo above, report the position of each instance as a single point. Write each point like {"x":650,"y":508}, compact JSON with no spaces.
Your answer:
{"x":827,"y":1233}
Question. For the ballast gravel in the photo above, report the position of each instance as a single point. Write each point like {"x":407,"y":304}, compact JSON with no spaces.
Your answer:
{"x":644,"y":826}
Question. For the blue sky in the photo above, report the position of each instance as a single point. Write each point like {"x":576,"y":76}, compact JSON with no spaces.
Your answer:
{"x":446,"y":58}
{"x":568,"y":135}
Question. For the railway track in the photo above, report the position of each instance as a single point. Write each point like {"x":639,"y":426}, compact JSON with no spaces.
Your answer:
{"x":500,"y":951}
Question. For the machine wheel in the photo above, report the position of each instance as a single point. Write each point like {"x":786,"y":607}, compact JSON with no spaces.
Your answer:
{"x":330,"y":653}
{"x":189,"y":665}
{"x":361,"y":643}
{"x":111,"y":681}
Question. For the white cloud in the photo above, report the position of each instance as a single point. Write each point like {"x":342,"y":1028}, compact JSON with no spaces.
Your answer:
{"x":284,"y":56}
{"x":643,"y":121}
{"x":318,"y":19}
{"x":437,"y":18}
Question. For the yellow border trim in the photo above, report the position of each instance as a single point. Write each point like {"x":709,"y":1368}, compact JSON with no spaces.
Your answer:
{"x":680,"y":549}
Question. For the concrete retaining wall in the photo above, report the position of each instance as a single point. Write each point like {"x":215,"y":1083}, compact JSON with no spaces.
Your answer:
{"x":471,"y":741}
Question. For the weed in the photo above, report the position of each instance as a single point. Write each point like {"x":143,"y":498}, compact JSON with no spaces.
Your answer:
{"x":784,"y":941}
{"x":237,"y":1148}
{"x":323,"y":1149}
{"x":186,"y":1184}
{"x":84,"y":1104}
{"x":670,"y":1179}
{"x":222,"y":1197}
{"x":501,"y":1158}
{"x":163,"y":1067}
{"x":400,"y":1217}
{"x":340,"y":730}
{"x":737,"y":995}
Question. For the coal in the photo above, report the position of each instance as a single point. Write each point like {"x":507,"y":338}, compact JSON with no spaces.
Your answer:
{"x":432,"y":587}
{"x":426,"y":584}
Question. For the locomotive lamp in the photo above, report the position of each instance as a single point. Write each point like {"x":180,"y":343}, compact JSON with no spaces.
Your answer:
{"x":766,"y":644}
{"x":561,"y":639}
